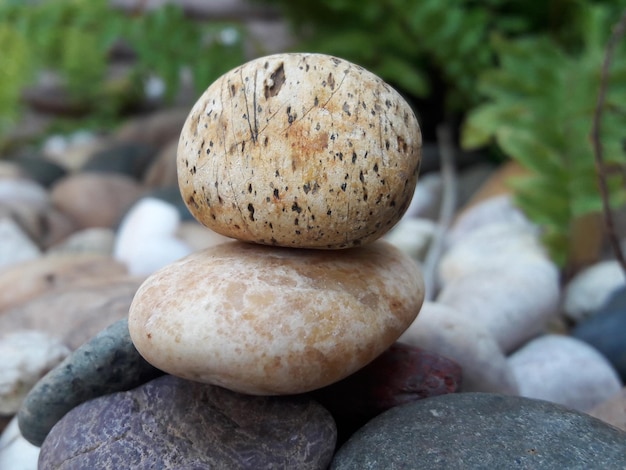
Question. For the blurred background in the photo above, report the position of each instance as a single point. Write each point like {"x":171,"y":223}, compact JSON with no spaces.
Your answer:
{"x":512,"y":79}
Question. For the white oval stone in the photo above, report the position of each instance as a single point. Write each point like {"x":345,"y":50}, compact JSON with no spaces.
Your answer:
{"x":445,"y":331}
{"x":564,"y":370}
{"x":263,"y":320}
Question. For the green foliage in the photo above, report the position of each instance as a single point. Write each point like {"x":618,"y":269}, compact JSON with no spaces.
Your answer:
{"x":421,"y":46}
{"x":540,"y":108}
{"x":74,"y":38}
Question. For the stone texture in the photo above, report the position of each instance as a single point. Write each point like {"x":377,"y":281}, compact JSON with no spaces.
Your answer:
{"x":564,"y":370}
{"x":612,"y":410}
{"x":328,"y":157}
{"x":171,"y":423}
{"x":95,"y":199}
{"x":401,"y":374}
{"x":74,"y":313}
{"x":267,"y":320}
{"x":30,"y":279}
{"x":513,"y":304}
{"x":26,"y":357}
{"x":107,"y":363}
{"x":481,"y":430}
{"x":145,"y":240}
{"x":16,"y":246}
{"x":590,"y":289}
{"x":605,"y":331}
{"x":446,"y":331}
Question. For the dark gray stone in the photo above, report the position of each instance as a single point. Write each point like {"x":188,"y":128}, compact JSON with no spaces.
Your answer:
{"x":44,"y":171}
{"x":171,"y":423}
{"x":105,"y":364}
{"x":605,"y":331}
{"x":128,"y":158}
{"x":483,"y":430}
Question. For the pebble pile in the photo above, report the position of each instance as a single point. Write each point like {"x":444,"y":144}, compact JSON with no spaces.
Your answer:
{"x":293,"y":152}
{"x":249,"y":348}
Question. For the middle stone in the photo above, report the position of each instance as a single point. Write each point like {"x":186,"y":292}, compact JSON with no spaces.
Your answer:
{"x":266,"y":321}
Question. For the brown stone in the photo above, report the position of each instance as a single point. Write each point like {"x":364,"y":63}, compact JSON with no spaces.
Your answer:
{"x":26,"y":281}
{"x":95,"y":199}
{"x":74,"y":313}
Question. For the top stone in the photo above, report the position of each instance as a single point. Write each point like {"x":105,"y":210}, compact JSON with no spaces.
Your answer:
{"x":299,"y":150}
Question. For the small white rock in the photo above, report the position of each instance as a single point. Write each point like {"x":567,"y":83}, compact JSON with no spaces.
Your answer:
{"x":514,"y":304}
{"x":498,"y":209}
{"x":443,"y":330}
{"x":146,"y":238}
{"x":495,"y":246}
{"x":413,"y":236}
{"x":591,"y":288}
{"x":23,"y":191}
{"x":16,"y":453}
{"x":16,"y":246}
{"x":564,"y":370}
{"x":26,"y":357}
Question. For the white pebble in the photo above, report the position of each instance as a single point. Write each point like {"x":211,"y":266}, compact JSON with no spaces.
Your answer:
{"x":26,"y":357}
{"x":413,"y":236}
{"x":514,"y":304}
{"x":23,"y":191}
{"x":495,"y":246}
{"x":498,"y":209}
{"x":445,"y":331}
{"x":564,"y":370}
{"x":145,"y":240}
{"x":16,"y":453}
{"x":591,"y":288}
{"x":16,"y":246}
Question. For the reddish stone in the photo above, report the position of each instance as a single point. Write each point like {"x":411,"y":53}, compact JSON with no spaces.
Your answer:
{"x":400,"y":375}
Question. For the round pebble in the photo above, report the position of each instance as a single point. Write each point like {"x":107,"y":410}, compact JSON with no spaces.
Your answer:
{"x":564,"y":370}
{"x":299,"y":150}
{"x":267,"y":320}
{"x":483,"y":430}
{"x":105,"y":364}
{"x":170,"y":423}
{"x":452,"y":334}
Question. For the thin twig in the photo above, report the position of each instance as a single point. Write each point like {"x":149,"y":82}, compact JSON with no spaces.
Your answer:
{"x":618,"y":32}
{"x":446,"y":211}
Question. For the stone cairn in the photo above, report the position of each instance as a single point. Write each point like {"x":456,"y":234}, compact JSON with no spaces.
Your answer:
{"x":306,"y":160}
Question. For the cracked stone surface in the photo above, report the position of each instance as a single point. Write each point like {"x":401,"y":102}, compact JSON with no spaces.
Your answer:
{"x":171,"y":423}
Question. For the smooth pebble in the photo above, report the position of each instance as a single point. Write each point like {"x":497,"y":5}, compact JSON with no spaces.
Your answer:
{"x":267,"y":320}
{"x":450,"y":333}
{"x":564,"y":370}
{"x":483,"y":430}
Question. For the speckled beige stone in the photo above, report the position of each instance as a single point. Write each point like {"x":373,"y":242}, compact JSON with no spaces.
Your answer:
{"x":299,"y":150}
{"x":263,"y":320}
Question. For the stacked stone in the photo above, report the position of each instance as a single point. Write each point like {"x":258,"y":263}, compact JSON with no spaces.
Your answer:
{"x":306,"y":161}
{"x":312,"y":159}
